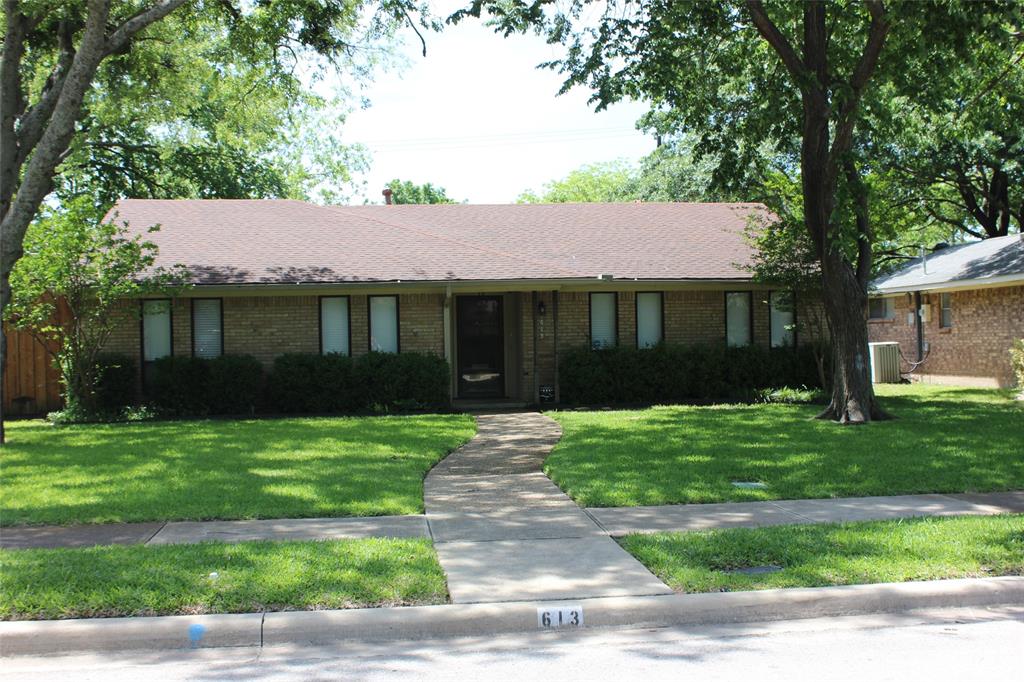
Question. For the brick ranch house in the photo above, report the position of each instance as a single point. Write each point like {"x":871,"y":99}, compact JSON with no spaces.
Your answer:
{"x":955,"y":312}
{"x":498,"y":291}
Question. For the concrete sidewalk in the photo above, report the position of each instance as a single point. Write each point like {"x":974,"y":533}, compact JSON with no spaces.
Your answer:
{"x":504,"y":532}
{"x":496,"y":519}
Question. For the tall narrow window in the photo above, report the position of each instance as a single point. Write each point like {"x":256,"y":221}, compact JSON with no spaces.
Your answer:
{"x":737,"y":318}
{"x":946,"y":310}
{"x":156,"y":330}
{"x":649,"y":319}
{"x":782,"y":318}
{"x":603,"y":331}
{"x":384,"y":324}
{"x":334,"y":330}
{"x":207,"y":328}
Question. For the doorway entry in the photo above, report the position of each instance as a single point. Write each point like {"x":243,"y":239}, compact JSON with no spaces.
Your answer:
{"x":480,"y":349}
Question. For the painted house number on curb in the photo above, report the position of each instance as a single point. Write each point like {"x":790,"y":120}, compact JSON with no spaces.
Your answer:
{"x":554,"y":617}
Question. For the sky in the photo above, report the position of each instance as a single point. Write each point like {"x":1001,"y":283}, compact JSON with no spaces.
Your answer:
{"x":477,"y":117}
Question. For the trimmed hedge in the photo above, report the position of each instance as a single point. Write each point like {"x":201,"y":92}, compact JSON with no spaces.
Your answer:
{"x":229,"y":384}
{"x":676,"y":373}
{"x":379,"y":382}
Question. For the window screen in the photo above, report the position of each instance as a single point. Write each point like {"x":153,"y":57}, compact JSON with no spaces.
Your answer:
{"x":384,"y":324}
{"x":334,"y":334}
{"x":602,"y":320}
{"x":946,"y":316}
{"x":737,"y":318}
{"x":783,"y":316}
{"x":881,"y":309}
{"x":207,"y":335}
{"x":156,"y":330}
{"x":648,"y":319}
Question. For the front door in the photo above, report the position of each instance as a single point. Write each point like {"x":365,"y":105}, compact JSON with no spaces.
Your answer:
{"x":481,"y":346}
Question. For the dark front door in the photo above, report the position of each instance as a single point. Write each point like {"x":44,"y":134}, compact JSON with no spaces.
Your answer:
{"x":481,"y":346}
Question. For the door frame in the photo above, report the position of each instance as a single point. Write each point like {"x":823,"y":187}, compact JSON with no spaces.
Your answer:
{"x":500,"y":298}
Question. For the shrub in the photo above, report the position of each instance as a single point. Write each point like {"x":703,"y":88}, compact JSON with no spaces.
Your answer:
{"x":236,"y":385}
{"x":671,"y":373}
{"x":375,"y":381}
{"x":115,"y":382}
{"x":304,"y":382}
{"x":229,"y":384}
{"x":1017,"y":361}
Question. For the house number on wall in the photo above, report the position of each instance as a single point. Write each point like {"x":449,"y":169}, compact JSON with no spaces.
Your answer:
{"x":554,"y":617}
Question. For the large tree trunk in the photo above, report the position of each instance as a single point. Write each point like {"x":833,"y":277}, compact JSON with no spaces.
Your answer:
{"x":853,"y":397}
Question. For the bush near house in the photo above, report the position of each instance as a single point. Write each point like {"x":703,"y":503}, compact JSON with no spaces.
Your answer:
{"x":1017,"y":360}
{"x":299,"y":383}
{"x":671,"y":373}
{"x":229,"y":384}
{"x":376,"y":381}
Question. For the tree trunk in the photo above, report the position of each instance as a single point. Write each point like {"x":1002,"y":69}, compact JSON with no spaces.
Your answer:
{"x":853,"y":396}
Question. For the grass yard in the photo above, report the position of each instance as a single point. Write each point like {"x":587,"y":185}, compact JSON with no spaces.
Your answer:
{"x":835,"y":554}
{"x":250,"y":577}
{"x":209,"y":469}
{"x":943,"y":440}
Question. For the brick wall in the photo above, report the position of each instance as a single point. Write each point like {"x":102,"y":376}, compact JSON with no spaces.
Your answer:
{"x":975,"y":350}
{"x":694,"y":316}
{"x":268,"y":326}
{"x":421,"y":318}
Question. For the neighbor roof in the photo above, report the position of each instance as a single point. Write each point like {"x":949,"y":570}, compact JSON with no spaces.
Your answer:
{"x":288,"y":242}
{"x":995,"y":261}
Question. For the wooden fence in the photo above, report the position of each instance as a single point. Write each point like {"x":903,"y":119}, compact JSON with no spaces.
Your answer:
{"x":31,"y":383}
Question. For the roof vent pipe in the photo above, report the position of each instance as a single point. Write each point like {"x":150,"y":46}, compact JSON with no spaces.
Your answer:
{"x":387,"y":195}
{"x":924,"y":260}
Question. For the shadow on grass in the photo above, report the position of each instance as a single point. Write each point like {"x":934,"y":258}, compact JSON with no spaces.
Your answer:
{"x":223,"y":469}
{"x":663,"y":455}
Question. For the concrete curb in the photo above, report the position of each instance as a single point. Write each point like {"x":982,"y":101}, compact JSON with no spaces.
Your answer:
{"x":318,"y":627}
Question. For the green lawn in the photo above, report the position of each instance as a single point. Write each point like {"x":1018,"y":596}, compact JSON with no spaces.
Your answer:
{"x":943,"y":440}
{"x":249,"y":577}
{"x":211,"y":469}
{"x":835,"y":554}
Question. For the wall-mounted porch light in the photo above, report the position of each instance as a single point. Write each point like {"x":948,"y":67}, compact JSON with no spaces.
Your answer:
{"x":542,"y":308}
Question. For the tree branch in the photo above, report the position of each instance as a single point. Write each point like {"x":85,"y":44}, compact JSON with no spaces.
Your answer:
{"x":771,"y":33}
{"x":140,"y":20}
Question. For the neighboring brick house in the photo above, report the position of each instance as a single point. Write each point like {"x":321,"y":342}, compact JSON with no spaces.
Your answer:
{"x":955,"y":312}
{"x":499,"y":291}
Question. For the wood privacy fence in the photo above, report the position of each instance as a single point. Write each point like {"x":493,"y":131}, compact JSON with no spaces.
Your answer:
{"x":31,"y":383}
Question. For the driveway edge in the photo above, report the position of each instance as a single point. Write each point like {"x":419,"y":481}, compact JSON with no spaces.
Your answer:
{"x":319,"y":627}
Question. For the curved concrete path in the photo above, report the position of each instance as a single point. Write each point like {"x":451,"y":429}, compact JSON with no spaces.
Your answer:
{"x":504,"y":532}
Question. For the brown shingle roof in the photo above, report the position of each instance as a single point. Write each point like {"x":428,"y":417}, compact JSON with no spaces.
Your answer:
{"x":284,"y":241}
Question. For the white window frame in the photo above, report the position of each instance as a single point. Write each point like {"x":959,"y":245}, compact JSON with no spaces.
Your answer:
{"x":345,"y":342}
{"x":197,"y":351}
{"x":146,"y":328}
{"x":786,"y":329}
{"x":398,"y":328}
{"x":749,"y":317}
{"x":614,"y":340}
{"x":643,"y":342}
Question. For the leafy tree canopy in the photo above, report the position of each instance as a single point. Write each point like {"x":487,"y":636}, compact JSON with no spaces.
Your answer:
{"x":408,"y":192}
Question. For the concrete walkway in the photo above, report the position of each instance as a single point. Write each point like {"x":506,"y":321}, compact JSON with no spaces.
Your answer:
{"x":504,"y":532}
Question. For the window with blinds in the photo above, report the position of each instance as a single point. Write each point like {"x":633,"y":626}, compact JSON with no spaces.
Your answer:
{"x":334,"y":330}
{"x":207,"y":331}
{"x":603,"y":330}
{"x":737,"y":318}
{"x":384,"y":324}
{"x":649,"y":320}
{"x":156,"y":330}
{"x":945,"y":310}
{"x":783,"y":317}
